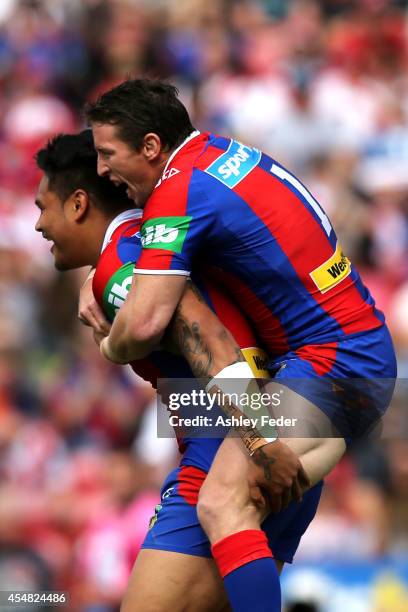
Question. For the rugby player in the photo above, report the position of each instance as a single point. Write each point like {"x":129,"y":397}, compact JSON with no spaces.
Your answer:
{"x":89,"y":222}
{"x":265,"y":238}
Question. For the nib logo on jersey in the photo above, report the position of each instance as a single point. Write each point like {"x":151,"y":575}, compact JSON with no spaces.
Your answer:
{"x":235,"y":164}
{"x":116,"y":290}
{"x":166,"y":233}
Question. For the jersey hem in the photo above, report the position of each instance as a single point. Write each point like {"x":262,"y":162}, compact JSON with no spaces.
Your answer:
{"x":174,"y":272}
{"x":177,"y":549}
{"x":331,"y":338}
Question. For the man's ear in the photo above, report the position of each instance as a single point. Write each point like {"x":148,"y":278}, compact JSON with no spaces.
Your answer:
{"x":77,"y":205}
{"x":152,"y":146}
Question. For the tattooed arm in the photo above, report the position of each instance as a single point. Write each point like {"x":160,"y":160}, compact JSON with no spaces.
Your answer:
{"x":209,"y":347}
{"x":200,"y":336}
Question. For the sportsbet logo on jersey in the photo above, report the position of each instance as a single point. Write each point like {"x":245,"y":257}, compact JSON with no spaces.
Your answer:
{"x":332,"y":271}
{"x":117,"y":289}
{"x":234,"y":165}
{"x":165,"y":233}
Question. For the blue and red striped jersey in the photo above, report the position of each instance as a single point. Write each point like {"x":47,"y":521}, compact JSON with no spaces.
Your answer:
{"x":240,"y":216}
{"x":111,"y":284}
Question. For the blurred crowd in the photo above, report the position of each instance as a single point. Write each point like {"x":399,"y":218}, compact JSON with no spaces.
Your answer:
{"x":322,"y":86}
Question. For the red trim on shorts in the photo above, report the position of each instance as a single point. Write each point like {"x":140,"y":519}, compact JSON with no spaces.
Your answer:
{"x":240,"y":548}
{"x":190,"y":481}
{"x":321,"y":357}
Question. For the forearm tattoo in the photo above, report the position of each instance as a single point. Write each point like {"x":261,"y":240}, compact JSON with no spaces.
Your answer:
{"x":193,"y":346}
{"x":263,"y":461}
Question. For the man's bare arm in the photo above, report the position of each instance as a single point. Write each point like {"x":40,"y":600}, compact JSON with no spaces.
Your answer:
{"x":142,"y":320}
{"x":200,"y":336}
{"x":209,"y":348}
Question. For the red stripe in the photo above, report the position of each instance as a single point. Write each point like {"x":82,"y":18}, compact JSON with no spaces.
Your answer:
{"x":230,"y":316}
{"x":240,"y":548}
{"x":167,"y":200}
{"x":302,"y":239}
{"x":190,"y":481}
{"x":322,"y":357}
{"x":208,"y":157}
{"x":109,"y":262}
{"x":262,"y":318}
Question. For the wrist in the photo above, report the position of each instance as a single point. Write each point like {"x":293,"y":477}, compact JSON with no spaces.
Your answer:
{"x":237,"y":380}
{"x":257,"y":442}
{"x":106,"y":351}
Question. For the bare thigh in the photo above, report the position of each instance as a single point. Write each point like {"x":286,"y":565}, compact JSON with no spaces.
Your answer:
{"x":318,"y":456}
{"x":314,"y":439}
{"x":163,"y":581}
{"x":225,"y":503}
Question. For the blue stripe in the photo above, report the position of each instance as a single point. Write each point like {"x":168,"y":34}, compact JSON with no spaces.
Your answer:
{"x":266,"y":165}
{"x":246,"y":247}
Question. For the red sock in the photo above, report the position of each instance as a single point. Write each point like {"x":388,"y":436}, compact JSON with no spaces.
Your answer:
{"x":240,"y":548}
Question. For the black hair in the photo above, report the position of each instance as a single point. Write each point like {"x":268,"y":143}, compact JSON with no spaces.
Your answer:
{"x":70,"y":162}
{"x":140,"y":106}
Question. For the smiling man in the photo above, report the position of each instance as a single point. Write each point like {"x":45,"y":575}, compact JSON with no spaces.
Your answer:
{"x":263,"y":236}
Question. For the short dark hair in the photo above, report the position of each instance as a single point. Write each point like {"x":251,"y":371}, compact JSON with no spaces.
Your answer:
{"x":70,"y":162}
{"x":140,"y":106}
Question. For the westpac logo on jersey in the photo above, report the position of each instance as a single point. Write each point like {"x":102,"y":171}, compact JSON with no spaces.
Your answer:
{"x":332,"y":271}
{"x":235,"y":164}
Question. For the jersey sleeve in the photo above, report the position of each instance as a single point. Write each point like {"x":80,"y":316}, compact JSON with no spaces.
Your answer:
{"x":177,"y":223}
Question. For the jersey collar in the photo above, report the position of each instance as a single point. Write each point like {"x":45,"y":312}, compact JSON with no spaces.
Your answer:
{"x":173,"y":155}
{"x":126,"y":215}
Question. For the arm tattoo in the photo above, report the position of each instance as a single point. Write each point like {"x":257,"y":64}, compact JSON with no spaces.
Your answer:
{"x":263,"y":461}
{"x":193,"y":347}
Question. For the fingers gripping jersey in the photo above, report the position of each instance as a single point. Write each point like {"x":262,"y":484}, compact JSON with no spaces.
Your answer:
{"x":263,"y":236}
{"x":111,"y":283}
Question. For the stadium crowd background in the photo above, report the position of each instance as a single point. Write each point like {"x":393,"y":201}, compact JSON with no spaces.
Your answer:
{"x":321,"y":86}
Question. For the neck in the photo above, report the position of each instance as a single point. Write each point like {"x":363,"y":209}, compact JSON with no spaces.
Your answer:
{"x":92,"y":239}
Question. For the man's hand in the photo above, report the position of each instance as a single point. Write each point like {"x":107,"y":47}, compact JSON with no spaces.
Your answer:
{"x":98,"y":337}
{"x":89,"y":311}
{"x":276,"y":476}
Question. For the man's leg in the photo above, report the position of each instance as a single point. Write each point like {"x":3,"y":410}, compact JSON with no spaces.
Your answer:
{"x":163,"y":581}
{"x":232,"y":520}
{"x":174,"y":570}
{"x":232,"y":523}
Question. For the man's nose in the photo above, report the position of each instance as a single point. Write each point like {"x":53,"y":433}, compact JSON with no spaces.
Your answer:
{"x":38,"y":225}
{"x":102,"y":167}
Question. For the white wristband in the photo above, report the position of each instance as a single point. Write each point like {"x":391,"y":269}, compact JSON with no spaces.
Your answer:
{"x":240,"y":370}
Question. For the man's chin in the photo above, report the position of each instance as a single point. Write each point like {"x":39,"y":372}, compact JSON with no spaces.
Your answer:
{"x":61,"y":266}
{"x":139,"y":199}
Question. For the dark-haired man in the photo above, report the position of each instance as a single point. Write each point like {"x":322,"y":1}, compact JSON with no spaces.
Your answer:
{"x":263,"y":236}
{"x":89,"y":222}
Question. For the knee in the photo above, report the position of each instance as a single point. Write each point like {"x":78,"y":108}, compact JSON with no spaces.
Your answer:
{"x":211,"y":507}
{"x":221,"y":512}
